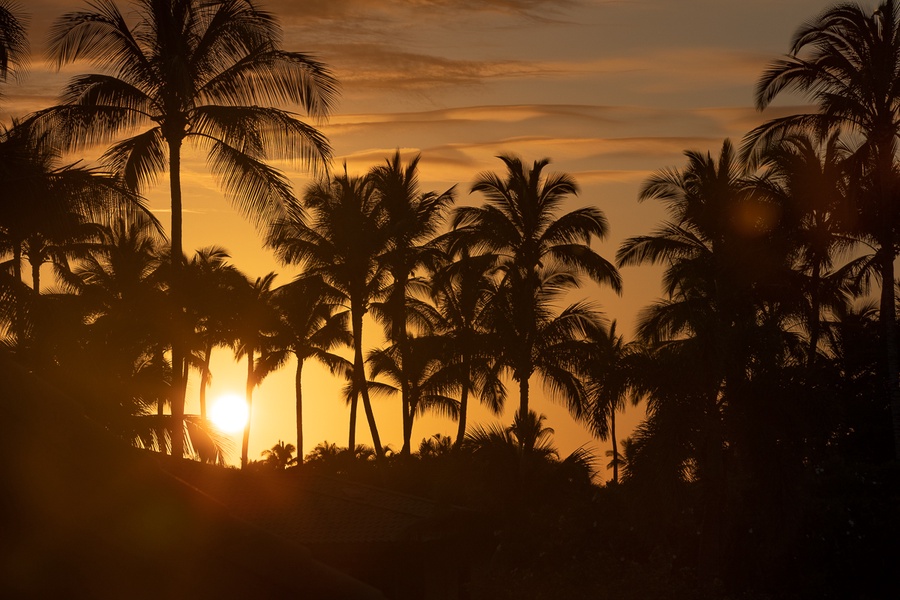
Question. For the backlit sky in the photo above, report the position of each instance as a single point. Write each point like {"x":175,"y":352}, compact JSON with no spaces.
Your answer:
{"x":611,"y":91}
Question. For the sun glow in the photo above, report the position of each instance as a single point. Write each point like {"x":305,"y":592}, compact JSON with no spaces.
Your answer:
{"x":229,"y":413}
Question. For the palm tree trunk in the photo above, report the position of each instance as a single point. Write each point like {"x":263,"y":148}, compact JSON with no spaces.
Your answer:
{"x":615,"y":444}
{"x":463,"y":412}
{"x":204,"y":381}
{"x":298,"y":390}
{"x":19,"y":317}
{"x":361,"y":386}
{"x":354,"y":406}
{"x":245,"y":440}
{"x":179,"y":386}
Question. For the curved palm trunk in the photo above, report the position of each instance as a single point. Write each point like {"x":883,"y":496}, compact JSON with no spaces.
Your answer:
{"x":463,"y":408}
{"x":179,"y":384}
{"x":19,"y":320}
{"x":298,"y":390}
{"x":360,"y":386}
{"x":245,"y":440}
{"x":615,"y":444}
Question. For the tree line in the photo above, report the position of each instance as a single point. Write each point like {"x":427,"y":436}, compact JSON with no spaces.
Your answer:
{"x":763,"y":361}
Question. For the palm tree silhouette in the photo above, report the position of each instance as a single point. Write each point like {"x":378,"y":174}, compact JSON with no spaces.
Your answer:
{"x":463,"y":292}
{"x":258,"y":320}
{"x":847,"y":61}
{"x":344,"y":237}
{"x":211,"y":73}
{"x":209,"y":286}
{"x":280,"y":456}
{"x":418,"y":373}
{"x":413,"y":220}
{"x":311,"y":325}
{"x":539,"y":255}
{"x":810,"y":179}
{"x":610,"y":374}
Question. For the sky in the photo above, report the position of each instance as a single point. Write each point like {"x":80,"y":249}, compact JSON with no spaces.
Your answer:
{"x":610,"y":91}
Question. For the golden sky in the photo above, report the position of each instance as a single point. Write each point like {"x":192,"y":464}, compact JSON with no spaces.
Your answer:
{"x":609,"y":90}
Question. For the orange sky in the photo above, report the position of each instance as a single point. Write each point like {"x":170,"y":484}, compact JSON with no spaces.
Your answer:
{"x":609,"y":90}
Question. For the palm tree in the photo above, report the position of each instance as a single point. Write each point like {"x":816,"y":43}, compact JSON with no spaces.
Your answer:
{"x":311,"y":325}
{"x":258,"y":320}
{"x":809,"y":179}
{"x":540,"y":256}
{"x":280,"y":456}
{"x":208,"y":72}
{"x":13,"y":39}
{"x":417,"y":372}
{"x":727,"y":266}
{"x":463,"y":292}
{"x":847,"y":60}
{"x":413,"y":218}
{"x":209,"y":286}
{"x":609,"y":373}
{"x":341,"y":244}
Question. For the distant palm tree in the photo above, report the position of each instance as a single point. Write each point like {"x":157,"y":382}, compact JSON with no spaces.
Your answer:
{"x":311,"y":325}
{"x":540,"y":254}
{"x":210,"y":72}
{"x":341,"y":243}
{"x":280,"y":456}
{"x":436,"y":445}
{"x":847,"y":60}
{"x":258,"y":320}
{"x":610,"y":373}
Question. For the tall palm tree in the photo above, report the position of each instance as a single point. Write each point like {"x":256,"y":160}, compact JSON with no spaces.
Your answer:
{"x":311,"y":325}
{"x":540,"y":254}
{"x":847,"y":61}
{"x":207,"y":72}
{"x":413,"y":219}
{"x":258,"y":320}
{"x":341,"y":243}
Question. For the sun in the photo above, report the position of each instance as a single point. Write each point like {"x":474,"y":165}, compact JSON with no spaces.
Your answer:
{"x":229,"y":413}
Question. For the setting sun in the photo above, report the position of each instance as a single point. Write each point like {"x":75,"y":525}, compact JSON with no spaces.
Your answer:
{"x":229,"y":413}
